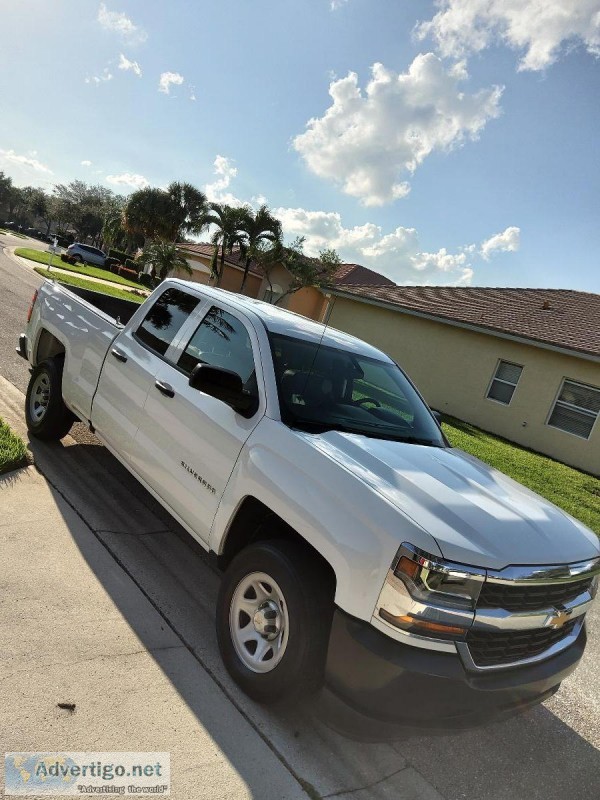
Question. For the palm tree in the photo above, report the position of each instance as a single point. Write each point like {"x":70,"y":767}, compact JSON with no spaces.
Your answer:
{"x":148,"y":212}
{"x":164,"y":257}
{"x":257,"y":229}
{"x":228,"y":223}
{"x":112,"y":229}
{"x":189,"y":209}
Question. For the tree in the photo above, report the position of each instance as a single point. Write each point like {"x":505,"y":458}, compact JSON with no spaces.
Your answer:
{"x":84,"y":207}
{"x":305,"y":271}
{"x":164,"y":257}
{"x":16,"y":202}
{"x":188,"y":209}
{"x":40,"y":207}
{"x":5,"y":188}
{"x":257,"y":229}
{"x":147,"y":213}
{"x":228,"y":233}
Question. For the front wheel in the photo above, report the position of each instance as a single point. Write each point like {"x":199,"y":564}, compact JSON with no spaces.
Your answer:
{"x":273,"y":621}
{"x":46,"y":415}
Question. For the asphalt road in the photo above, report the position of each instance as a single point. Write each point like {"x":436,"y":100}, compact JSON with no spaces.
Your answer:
{"x":16,"y":290}
{"x":551,"y":752}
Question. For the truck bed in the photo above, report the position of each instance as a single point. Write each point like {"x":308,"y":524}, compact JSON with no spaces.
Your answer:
{"x":119,"y":310}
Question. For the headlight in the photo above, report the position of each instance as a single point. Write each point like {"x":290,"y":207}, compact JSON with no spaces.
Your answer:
{"x":429,"y":597}
{"x":434,"y":581}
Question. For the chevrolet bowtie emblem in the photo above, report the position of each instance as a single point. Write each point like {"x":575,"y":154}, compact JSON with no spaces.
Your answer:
{"x":559,"y":619}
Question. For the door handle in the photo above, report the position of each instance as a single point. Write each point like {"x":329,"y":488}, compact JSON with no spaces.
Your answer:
{"x":165,"y":388}
{"x":118,"y":354}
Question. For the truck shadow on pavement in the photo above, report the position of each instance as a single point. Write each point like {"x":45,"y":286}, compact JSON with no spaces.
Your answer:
{"x":536,"y":755}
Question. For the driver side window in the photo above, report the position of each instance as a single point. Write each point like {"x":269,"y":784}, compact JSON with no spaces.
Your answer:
{"x":221,"y":340}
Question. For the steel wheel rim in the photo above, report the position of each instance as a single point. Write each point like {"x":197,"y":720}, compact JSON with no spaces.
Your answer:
{"x":259,"y":622}
{"x":39,"y":397}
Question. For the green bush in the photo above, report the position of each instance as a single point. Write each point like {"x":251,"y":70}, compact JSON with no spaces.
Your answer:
{"x":118,"y":255}
{"x":128,"y":273}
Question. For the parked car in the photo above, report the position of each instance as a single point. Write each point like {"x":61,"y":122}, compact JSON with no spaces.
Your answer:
{"x":86,"y":254}
{"x":358,"y":547}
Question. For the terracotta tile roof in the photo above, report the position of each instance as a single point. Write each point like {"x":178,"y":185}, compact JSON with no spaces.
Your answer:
{"x":560,"y":317}
{"x":356,"y":275}
{"x":206,"y":250}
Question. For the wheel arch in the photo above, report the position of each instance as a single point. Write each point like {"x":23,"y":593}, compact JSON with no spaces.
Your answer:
{"x":47,"y":346}
{"x":254,"y":521}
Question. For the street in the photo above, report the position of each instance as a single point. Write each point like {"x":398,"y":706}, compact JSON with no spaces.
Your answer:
{"x":551,"y":752}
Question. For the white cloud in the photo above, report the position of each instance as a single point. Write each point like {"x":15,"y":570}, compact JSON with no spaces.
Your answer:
{"x":193,"y":93}
{"x":128,"y":179}
{"x":507,"y":241}
{"x":370,"y":141}
{"x":168,"y":79}
{"x":397,"y":255}
{"x":121,"y":24}
{"x":216,"y":191}
{"x":126,"y":64}
{"x":538,"y":28}
{"x":335,"y":4}
{"x":86,"y":163}
{"x":105,"y":75}
{"x":28,"y":162}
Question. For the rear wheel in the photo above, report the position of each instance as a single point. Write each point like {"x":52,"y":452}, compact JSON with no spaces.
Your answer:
{"x":46,"y":414}
{"x":273,"y":620}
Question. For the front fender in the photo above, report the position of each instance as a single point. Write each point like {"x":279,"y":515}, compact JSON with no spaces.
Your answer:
{"x":354,"y":528}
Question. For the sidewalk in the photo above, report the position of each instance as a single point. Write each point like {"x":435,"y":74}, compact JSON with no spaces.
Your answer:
{"x":74,"y":628}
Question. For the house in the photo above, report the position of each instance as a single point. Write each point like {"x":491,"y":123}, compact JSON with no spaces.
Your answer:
{"x":199,"y":257}
{"x":521,"y":363}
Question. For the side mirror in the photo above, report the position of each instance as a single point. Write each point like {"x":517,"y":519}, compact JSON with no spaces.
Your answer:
{"x":224,"y":385}
{"x":438,"y":416}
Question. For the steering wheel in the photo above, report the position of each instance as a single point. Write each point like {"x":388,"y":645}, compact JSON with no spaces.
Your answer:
{"x":362,"y":400}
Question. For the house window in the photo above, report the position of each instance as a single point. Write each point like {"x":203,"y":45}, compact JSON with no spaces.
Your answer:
{"x":504,"y":382}
{"x":273,"y":294}
{"x":576,"y":409}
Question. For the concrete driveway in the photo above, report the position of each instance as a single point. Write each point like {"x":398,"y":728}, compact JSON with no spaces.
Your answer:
{"x":552,"y":752}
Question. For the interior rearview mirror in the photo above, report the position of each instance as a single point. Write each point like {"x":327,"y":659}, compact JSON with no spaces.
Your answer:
{"x":224,"y":385}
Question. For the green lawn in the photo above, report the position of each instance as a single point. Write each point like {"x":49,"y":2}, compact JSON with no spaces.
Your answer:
{"x":574,"y":491}
{"x":102,"y":288}
{"x":13,"y":452}
{"x":43,"y":257}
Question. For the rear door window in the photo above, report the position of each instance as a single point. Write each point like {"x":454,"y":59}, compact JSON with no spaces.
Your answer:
{"x":165,"y":319}
{"x":221,"y":340}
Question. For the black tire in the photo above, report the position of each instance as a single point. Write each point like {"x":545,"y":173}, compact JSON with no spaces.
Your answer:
{"x":56,"y":420}
{"x":308,"y":592}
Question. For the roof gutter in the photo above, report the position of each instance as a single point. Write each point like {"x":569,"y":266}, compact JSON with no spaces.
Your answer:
{"x":467,"y":326}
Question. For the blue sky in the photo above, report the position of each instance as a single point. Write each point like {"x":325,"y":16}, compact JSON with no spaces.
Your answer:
{"x":451,"y":143}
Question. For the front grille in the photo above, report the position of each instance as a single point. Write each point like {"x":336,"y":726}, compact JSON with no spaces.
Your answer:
{"x":495,"y":648}
{"x":530,"y":598}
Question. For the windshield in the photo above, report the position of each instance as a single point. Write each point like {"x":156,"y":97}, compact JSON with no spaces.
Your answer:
{"x":324,"y":388}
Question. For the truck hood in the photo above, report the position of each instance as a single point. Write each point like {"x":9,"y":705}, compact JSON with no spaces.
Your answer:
{"x":477,"y":515}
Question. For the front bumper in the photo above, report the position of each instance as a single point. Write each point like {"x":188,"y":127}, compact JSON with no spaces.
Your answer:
{"x":383,"y":679}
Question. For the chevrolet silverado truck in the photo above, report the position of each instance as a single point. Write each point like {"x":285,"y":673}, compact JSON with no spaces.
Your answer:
{"x":359,"y":549}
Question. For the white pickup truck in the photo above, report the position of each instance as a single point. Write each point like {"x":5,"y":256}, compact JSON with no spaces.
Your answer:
{"x":358,"y":547}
